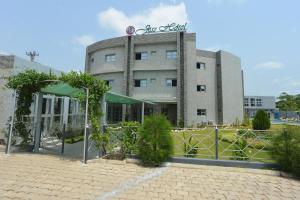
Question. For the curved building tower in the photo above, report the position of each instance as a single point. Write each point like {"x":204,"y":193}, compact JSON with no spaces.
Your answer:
{"x":185,"y":83}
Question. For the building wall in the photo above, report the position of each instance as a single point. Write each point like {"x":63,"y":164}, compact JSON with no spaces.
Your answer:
{"x":203,"y":100}
{"x":10,"y":65}
{"x":188,"y":100}
{"x":117,"y":84}
{"x":232,"y":88}
{"x":156,"y":91}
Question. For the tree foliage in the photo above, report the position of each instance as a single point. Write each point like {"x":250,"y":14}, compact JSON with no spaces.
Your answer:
{"x":155,"y":143}
{"x":261,"y":121}
{"x":288,"y":102}
{"x":26,"y":84}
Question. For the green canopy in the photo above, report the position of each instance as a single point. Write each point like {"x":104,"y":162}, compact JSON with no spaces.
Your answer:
{"x":64,"y":89}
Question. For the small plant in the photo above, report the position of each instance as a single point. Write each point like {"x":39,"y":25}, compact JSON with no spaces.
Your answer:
{"x":239,"y":152}
{"x":246,"y":133}
{"x":261,"y":121}
{"x":246,"y":121}
{"x":236,"y":122}
{"x":155,"y":144}
{"x":181,"y":123}
{"x":190,"y":148}
{"x":286,"y":149}
{"x":129,"y":136}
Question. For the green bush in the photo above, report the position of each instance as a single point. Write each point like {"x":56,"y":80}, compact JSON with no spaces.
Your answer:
{"x":155,"y":143}
{"x":261,"y":121}
{"x":286,"y":149}
{"x":239,"y":152}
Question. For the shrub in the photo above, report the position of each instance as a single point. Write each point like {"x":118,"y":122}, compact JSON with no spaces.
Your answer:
{"x":181,"y":123}
{"x":261,"y":121}
{"x":129,"y":136}
{"x":189,"y":148}
{"x":155,"y":143}
{"x":286,"y":149}
{"x":246,"y":133}
{"x":239,"y":152}
{"x":246,"y":121}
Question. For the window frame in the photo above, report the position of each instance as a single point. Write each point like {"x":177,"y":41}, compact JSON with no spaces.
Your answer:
{"x":199,"y":88}
{"x":110,"y":58}
{"x":171,"y":54}
{"x":143,"y":55}
{"x":201,"y":112}
{"x":201,"y":66}
{"x":173,"y":82}
{"x":140,"y":83}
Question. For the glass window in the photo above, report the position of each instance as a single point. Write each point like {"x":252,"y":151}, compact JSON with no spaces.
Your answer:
{"x":140,"y":83}
{"x":246,"y":102}
{"x":252,"y":102}
{"x":201,"y":112}
{"x":141,"y":55}
{"x":153,"y":53}
{"x":171,"y":54}
{"x":171,"y":82}
{"x":110,"y":58}
{"x":201,"y":88}
{"x":200,"y":65}
{"x":152,"y":80}
{"x":109,"y":82}
{"x":258,"y":103}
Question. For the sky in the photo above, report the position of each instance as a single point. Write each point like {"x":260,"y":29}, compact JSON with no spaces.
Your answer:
{"x":263,"y":33}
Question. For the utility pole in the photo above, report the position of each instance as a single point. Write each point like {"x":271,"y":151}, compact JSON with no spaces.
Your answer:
{"x":32,"y":55}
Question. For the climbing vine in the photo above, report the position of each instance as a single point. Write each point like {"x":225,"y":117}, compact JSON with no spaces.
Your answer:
{"x":26,"y":85}
{"x":30,"y":82}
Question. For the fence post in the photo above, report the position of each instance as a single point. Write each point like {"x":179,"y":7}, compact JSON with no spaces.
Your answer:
{"x":217,"y":143}
{"x":63,"y":139}
{"x":8,"y":142}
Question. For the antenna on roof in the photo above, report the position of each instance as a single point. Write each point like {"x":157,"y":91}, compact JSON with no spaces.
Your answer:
{"x":32,"y":55}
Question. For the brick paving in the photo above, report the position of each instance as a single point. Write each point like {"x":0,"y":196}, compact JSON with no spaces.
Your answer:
{"x":37,"y":176}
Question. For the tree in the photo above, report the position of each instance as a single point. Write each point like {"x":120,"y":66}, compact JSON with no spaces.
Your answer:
{"x":155,"y":143}
{"x":261,"y":121}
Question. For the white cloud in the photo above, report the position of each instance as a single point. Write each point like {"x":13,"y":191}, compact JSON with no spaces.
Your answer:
{"x":219,"y":2}
{"x":84,"y":40}
{"x":117,"y":20}
{"x":270,"y":65}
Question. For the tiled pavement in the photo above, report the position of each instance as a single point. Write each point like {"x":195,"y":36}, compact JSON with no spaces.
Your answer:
{"x":36,"y":176}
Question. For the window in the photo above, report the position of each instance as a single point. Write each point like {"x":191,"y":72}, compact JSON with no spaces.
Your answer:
{"x":171,"y":54}
{"x":141,"y":55}
{"x":252,"y":102}
{"x":153,"y":53}
{"x":201,"y":112}
{"x":152,"y":80}
{"x":140,"y":83}
{"x":258,"y":103}
{"x":201,"y":88}
{"x":109,"y":82}
{"x":200,"y":65}
{"x":110,"y":58}
{"x":171,"y":82}
{"x":246,"y":102}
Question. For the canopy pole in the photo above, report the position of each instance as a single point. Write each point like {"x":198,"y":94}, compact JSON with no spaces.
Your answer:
{"x":11,"y":125}
{"x":86,"y":127}
{"x":143,"y":109}
{"x":104,"y":113}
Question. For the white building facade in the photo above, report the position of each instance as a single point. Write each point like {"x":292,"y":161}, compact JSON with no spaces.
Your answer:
{"x":254,"y":103}
{"x":185,"y":83}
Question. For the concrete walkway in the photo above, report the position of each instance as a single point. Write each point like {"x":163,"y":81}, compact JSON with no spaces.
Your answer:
{"x":37,"y":176}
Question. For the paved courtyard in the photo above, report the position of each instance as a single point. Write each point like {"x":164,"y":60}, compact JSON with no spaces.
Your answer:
{"x":37,"y":176}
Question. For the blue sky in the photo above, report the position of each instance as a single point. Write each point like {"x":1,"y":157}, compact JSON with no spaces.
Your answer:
{"x":263,"y":33}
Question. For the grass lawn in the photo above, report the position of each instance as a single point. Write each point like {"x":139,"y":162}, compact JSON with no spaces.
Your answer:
{"x":257,"y":148}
